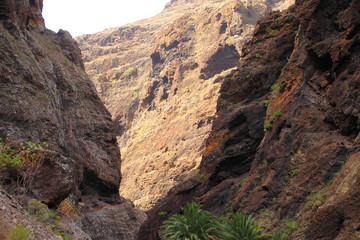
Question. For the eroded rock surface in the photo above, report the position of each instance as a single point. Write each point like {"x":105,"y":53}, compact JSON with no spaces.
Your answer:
{"x":46,"y":96}
{"x":289,"y":147}
{"x":117,"y":222}
{"x":160,"y":77}
{"x":12,"y":214}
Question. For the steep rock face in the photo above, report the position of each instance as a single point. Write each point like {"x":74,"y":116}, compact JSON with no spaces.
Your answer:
{"x":290,"y":147}
{"x":160,"y":78}
{"x":46,"y":96}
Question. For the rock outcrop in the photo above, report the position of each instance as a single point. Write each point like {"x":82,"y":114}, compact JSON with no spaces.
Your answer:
{"x":285,"y":141}
{"x":46,"y":96}
{"x":12,"y":214}
{"x":160,"y":77}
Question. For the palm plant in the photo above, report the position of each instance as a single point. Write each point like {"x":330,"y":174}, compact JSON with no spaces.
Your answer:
{"x":194,"y":224}
{"x":241,"y":227}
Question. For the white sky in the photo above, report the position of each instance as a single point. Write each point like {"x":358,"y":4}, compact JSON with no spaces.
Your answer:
{"x":90,"y":16}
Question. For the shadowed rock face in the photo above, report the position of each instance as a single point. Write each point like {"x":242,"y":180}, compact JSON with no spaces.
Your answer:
{"x":46,"y":96}
{"x":292,"y":156}
{"x":160,"y":78}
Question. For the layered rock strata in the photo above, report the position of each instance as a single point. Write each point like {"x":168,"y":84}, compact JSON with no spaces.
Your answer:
{"x":285,"y":143}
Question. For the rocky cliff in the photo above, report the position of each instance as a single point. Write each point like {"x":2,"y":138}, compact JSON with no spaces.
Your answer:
{"x":285,"y":141}
{"x":46,"y":96}
{"x":160,"y":77}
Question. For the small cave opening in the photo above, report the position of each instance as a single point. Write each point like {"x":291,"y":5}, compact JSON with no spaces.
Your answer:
{"x":226,"y":57}
{"x":94,"y":186}
{"x":230,"y":167}
{"x":156,"y":58}
{"x":323,"y":63}
{"x":237,"y":121}
{"x":165,"y":80}
{"x":223,"y":28}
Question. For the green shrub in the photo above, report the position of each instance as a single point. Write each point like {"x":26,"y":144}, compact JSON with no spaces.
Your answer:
{"x":277,"y":113}
{"x":280,"y":235}
{"x":241,"y":227}
{"x":275,"y":86}
{"x":194,"y":224}
{"x":45,"y":215}
{"x":266,"y":102}
{"x":129,"y":70}
{"x":49,"y":217}
{"x":19,"y":232}
{"x":316,"y":197}
{"x":25,"y":157}
{"x":287,"y":227}
{"x":163,"y":214}
{"x":242,"y":183}
{"x":267,"y":126}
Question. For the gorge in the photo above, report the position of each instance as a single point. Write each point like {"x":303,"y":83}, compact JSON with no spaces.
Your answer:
{"x":245,"y":106}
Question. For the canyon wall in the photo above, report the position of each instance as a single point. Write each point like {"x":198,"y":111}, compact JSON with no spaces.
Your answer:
{"x":160,"y":78}
{"x":285,"y":140}
{"x":46,"y":97}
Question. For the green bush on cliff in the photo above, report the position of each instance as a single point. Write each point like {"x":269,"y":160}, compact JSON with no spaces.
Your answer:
{"x":194,"y":224}
{"x":25,"y":157}
{"x":49,"y":217}
{"x":197,"y":224}
{"x":19,"y":232}
{"x":241,"y":227}
{"x":43,"y":214}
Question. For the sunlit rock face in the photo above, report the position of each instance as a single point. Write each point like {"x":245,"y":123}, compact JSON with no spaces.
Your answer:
{"x":288,"y":152}
{"x":160,"y":78}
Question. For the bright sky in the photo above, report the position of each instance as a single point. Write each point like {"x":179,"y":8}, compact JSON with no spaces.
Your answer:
{"x":90,"y":16}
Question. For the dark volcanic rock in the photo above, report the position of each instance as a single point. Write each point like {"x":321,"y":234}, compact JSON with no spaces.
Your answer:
{"x":287,"y":122}
{"x":112,"y":222}
{"x":46,"y":96}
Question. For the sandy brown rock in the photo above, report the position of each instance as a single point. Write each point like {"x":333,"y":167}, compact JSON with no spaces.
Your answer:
{"x":289,"y":148}
{"x":160,"y":77}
